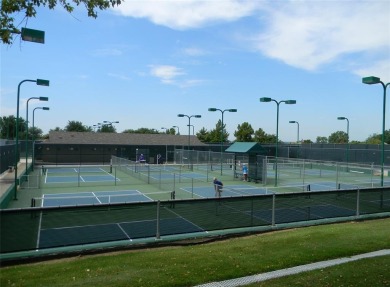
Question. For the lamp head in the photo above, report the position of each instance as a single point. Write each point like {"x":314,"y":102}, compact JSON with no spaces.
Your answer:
{"x":45,"y":99}
{"x":197,"y":116}
{"x":371,"y":80}
{"x":232,"y":110}
{"x":265,"y":100}
{"x":45,"y":108}
{"x":292,"y":122}
{"x":290,"y":102}
{"x":180,"y":115}
{"x":212,"y":110}
{"x":41,"y":82}
{"x":341,"y":118}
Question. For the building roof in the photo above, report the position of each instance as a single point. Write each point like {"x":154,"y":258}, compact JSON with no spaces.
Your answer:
{"x":246,"y":147}
{"x":60,"y":137}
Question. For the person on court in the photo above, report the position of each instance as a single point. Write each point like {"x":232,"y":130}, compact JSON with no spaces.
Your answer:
{"x":217,"y":187}
{"x":245,"y":172}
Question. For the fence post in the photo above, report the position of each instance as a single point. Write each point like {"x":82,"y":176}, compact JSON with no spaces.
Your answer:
{"x":158,"y":220}
{"x":273,"y":209}
{"x":358,"y":203}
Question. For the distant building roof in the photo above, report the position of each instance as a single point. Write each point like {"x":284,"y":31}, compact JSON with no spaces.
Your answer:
{"x":246,"y":147}
{"x":60,"y":137}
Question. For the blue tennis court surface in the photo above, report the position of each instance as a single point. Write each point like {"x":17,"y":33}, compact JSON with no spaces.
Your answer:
{"x":228,"y":191}
{"x":75,"y":235}
{"x":96,"y":197}
{"x":171,"y":176}
{"x":286,"y":215}
{"x":81,"y":178}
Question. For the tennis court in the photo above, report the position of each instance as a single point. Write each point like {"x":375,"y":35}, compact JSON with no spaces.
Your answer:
{"x":97,"y":197}
{"x":227,"y":191}
{"x":76,"y":235}
{"x":69,"y":174}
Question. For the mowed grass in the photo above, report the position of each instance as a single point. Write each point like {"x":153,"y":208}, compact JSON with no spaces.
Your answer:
{"x":226,"y":259}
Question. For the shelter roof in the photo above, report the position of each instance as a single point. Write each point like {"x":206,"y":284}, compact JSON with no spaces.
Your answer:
{"x":246,"y":147}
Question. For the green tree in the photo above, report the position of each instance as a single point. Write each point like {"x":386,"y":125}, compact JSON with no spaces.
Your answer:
{"x":27,"y":8}
{"x":170,"y":131}
{"x":374,"y":139}
{"x":203,"y":135}
{"x":321,"y":140}
{"x":107,"y":129}
{"x":377,"y":138}
{"x":56,"y":129}
{"x":76,"y":126}
{"x":35,"y":133}
{"x":215,"y":134}
{"x":244,"y":133}
{"x":339,"y":137}
{"x":142,"y":131}
{"x":307,"y":141}
{"x":7,"y":127}
{"x":262,"y":137}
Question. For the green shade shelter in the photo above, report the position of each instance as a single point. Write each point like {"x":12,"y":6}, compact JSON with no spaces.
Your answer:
{"x":252,"y":149}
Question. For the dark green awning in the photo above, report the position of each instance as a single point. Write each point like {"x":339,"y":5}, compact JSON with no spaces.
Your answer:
{"x":246,"y":147}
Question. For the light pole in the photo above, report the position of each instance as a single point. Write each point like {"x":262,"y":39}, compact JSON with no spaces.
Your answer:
{"x":341,"y":119}
{"x":287,"y":102}
{"x":178,"y":131}
{"x":372,"y":81}
{"x":166,"y":129}
{"x":222,"y":128}
{"x":39,"y":82}
{"x":189,"y":132}
{"x":193,"y":129}
{"x":97,"y":126}
{"x":45,"y":99}
{"x":295,"y":122}
{"x":33,"y":139}
{"x":110,"y":123}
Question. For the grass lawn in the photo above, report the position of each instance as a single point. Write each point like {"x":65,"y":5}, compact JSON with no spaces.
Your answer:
{"x":226,"y":259}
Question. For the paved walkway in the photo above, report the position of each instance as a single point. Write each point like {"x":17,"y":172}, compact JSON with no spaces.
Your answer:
{"x":294,"y":270}
{"x":8,"y":178}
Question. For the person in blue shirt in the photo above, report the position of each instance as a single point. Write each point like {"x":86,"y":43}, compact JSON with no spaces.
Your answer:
{"x":245,"y":172}
{"x":217,"y":187}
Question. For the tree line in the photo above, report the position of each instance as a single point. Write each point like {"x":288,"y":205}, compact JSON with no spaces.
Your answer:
{"x":243,"y":133}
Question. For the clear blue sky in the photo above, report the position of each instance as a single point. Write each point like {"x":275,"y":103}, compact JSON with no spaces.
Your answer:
{"x":146,"y":61}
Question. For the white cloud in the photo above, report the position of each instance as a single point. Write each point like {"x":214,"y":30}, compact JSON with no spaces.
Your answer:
{"x":380,"y":69}
{"x":308,"y":34}
{"x":194,"y":52}
{"x":188,"y":14}
{"x":304,"y":34}
{"x":166,"y":74}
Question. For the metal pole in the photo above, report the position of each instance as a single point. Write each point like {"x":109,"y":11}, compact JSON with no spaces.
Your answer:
{"x":383,"y":130}
{"x":277,"y":142}
{"x":221,"y":139}
{"x":17,"y":139}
